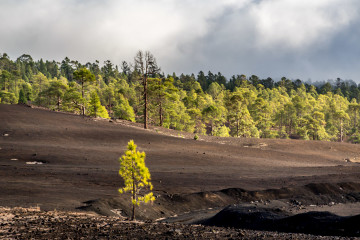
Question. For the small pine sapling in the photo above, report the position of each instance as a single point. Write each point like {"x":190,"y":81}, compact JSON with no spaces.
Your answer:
{"x":136,"y":177}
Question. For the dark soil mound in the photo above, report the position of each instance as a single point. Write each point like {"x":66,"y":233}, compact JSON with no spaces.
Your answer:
{"x":247,"y":217}
{"x":167,"y":205}
{"x":319,"y":223}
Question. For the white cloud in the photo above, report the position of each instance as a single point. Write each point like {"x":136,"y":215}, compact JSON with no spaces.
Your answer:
{"x":107,"y":29}
{"x":301,"y":24}
{"x":264,"y":37}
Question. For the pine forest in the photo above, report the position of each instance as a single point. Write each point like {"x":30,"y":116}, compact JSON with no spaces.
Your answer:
{"x":205,"y":103}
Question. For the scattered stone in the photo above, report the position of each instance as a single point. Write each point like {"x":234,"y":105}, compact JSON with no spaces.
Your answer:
{"x":347,"y":160}
{"x":34,"y":163}
{"x":22,"y":223}
{"x":295,"y":202}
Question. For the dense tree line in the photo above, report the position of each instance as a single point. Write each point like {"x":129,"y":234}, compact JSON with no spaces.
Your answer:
{"x":203,"y":104}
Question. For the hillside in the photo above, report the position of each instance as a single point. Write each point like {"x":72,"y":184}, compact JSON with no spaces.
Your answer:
{"x":65,"y":162}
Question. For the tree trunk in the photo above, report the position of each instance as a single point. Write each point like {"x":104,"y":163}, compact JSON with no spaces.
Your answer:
{"x":40,"y":84}
{"x":133,"y":198}
{"x":237,"y":128}
{"x":133,"y":213}
{"x":341,"y":130}
{"x":161,"y":115}
{"x":145,"y":101}
{"x":82,"y":95}
{"x":355,"y":119}
{"x":109,"y":107}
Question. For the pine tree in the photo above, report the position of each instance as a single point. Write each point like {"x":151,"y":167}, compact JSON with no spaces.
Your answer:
{"x":57,"y":90}
{"x":83,"y":76}
{"x":136,"y":177}
{"x":124,"y":110}
{"x":22,"y":98}
{"x":161,"y":92}
{"x":96,"y":109}
{"x":73,"y":102}
{"x":146,"y":66}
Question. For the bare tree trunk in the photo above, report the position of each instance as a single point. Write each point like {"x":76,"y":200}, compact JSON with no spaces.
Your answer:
{"x":133,"y":212}
{"x":145,"y":102}
{"x":146,"y":65}
{"x":82,"y":95}
{"x":133,"y":198}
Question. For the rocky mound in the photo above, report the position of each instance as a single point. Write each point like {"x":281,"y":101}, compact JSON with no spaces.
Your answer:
{"x":167,"y":205}
{"x":319,"y":223}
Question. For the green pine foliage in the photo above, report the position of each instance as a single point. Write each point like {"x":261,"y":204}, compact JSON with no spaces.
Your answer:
{"x":206,"y":103}
{"x":22,"y":98}
{"x":124,"y":111}
{"x":7,"y":97}
{"x":95,"y":107}
{"x":136,"y":177}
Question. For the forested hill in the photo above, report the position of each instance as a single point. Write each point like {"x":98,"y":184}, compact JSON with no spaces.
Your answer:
{"x":203,"y":104}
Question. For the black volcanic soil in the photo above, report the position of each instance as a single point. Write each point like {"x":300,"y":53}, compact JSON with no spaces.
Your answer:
{"x":69,"y":163}
{"x":19,"y":223}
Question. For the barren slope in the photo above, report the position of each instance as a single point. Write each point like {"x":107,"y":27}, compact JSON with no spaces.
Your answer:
{"x":79,"y":156}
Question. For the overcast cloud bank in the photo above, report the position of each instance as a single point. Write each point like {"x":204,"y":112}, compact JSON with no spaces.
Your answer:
{"x":297,"y":39}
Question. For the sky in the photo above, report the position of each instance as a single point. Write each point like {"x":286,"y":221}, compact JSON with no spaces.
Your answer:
{"x":308,"y":39}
